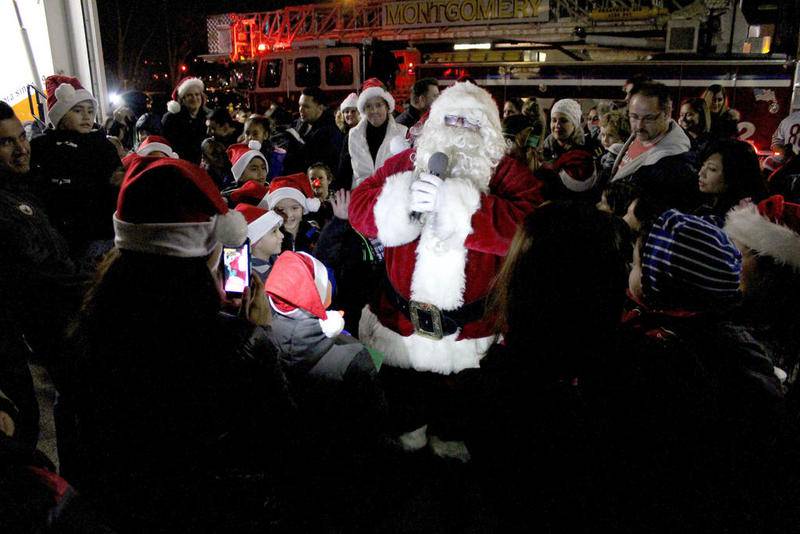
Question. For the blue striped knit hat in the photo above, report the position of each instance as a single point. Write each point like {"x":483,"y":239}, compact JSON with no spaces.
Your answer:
{"x":689,"y":262}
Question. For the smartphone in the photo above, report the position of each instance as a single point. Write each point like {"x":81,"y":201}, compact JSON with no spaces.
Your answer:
{"x":236,"y":269}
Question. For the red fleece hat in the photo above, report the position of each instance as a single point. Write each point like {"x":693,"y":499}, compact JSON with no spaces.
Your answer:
{"x":63,"y":92}
{"x":294,"y":186}
{"x":250,"y":193}
{"x":174,"y":105}
{"x":156,"y":143}
{"x":374,"y":88}
{"x":577,"y":170}
{"x":172,"y":207}
{"x":259,"y":221}
{"x":771,"y":229}
{"x":242,"y":154}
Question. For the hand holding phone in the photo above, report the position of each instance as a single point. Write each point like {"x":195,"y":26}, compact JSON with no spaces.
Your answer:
{"x":236,"y":269}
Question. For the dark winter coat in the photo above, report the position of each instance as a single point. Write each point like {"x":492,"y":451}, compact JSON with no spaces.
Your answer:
{"x":75,"y":172}
{"x":322,"y":141}
{"x":306,"y":240}
{"x":409,"y":117}
{"x":186,"y":133}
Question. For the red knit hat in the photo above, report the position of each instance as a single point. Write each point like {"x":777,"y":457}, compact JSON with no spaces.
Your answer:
{"x":242,"y":154}
{"x":174,"y":105}
{"x":250,"y":193}
{"x":63,"y":92}
{"x":374,"y":88}
{"x":577,"y":170}
{"x":259,"y":221}
{"x":172,"y":207}
{"x":156,"y":143}
{"x":294,"y":186}
{"x":771,"y":229}
{"x":298,"y":285}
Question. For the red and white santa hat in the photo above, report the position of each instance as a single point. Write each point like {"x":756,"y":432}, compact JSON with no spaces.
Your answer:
{"x":577,"y":170}
{"x":350,"y":102}
{"x":156,"y":143}
{"x":174,"y":105}
{"x":242,"y":154}
{"x":63,"y":92}
{"x":172,"y":207}
{"x":771,"y":228}
{"x":374,"y":88}
{"x":251,"y":193}
{"x":260,"y":222}
{"x":298,"y":285}
{"x":294,"y":186}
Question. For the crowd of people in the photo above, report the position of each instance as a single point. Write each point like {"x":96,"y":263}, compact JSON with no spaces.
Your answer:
{"x":590,"y":314}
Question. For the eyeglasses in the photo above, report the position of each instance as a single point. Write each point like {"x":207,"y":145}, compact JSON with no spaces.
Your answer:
{"x":645,"y":119}
{"x":463,"y":122}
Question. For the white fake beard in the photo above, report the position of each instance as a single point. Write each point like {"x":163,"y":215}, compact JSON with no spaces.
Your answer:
{"x":470,"y":155}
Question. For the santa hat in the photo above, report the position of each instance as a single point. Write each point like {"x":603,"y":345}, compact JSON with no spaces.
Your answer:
{"x":174,"y":105}
{"x":250,"y":193}
{"x":770,"y":229}
{"x":172,"y":207}
{"x":350,"y":102}
{"x":294,"y":186}
{"x":260,"y":222}
{"x":63,"y":92}
{"x":689,"y":262}
{"x":569,"y":108}
{"x":155,"y":143}
{"x":374,"y":88}
{"x":298,"y":285}
{"x":241,"y":154}
{"x":577,"y":170}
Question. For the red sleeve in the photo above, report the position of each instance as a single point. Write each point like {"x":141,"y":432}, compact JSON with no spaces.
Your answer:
{"x":363,"y":197}
{"x":513,"y":193}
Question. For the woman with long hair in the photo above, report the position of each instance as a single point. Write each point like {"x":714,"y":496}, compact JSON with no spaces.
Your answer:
{"x":730,"y":173}
{"x":724,"y":120}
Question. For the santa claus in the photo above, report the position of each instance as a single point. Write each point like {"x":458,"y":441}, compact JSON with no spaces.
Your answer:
{"x":445,"y":236}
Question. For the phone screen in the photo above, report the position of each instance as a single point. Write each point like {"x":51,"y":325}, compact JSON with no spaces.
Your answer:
{"x":236,"y":269}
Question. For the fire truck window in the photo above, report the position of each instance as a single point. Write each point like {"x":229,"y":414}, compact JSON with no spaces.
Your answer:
{"x":306,"y":72}
{"x":339,"y":70}
{"x":270,"y":75}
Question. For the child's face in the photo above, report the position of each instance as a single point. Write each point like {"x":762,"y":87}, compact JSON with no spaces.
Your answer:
{"x":292,"y":213}
{"x":256,"y":171}
{"x":608,"y":139}
{"x":269,"y":244}
{"x":255,"y":132}
{"x":320,"y":181}
{"x":635,"y":276}
{"x":80,"y":118}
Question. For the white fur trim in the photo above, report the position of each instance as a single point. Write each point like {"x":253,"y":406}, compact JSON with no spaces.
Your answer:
{"x":231,"y":228}
{"x":748,"y":227}
{"x":361,"y":159}
{"x":457,"y":201}
{"x":262,"y":226}
{"x":313,"y":204}
{"x":66,"y":98}
{"x":320,"y":276}
{"x":373,"y":92}
{"x":157,"y":147}
{"x":173,"y":107}
{"x":188,"y":83}
{"x":350,"y":102}
{"x":286,"y":192}
{"x":398,"y":144}
{"x":392,"y":215}
{"x":576,"y":185}
{"x":254,"y":144}
{"x":241,"y":164}
{"x":444,"y":356}
{"x":456,"y":450}
{"x":333,"y":324}
{"x":183,"y":240}
{"x":414,"y":440}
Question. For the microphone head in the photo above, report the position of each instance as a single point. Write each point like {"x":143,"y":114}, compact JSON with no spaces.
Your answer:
{"x":437,"y":164}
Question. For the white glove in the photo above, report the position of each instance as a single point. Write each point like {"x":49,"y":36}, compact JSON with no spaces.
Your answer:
{"x":333,"y":324}
{"x":425,"y":192}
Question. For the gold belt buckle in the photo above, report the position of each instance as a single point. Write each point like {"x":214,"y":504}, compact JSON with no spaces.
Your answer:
{"x":426,"y":318}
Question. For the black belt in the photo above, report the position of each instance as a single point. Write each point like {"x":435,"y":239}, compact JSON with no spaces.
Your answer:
{"x":431,"y":322}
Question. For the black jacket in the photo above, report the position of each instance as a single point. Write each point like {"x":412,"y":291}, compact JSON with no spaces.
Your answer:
{"x":185,"y":133}
{"x":322,"y":142}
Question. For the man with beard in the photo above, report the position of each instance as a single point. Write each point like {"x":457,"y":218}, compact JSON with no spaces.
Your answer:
{"x":445,"y":238}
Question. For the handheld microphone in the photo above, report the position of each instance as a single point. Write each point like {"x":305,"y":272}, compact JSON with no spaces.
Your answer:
{"x":437,"y":165}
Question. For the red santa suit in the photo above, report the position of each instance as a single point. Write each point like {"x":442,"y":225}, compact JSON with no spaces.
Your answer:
{"x":449,"y":260}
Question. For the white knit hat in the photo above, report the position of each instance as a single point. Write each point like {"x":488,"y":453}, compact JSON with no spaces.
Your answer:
{"x":350,"y":102}
{"x":570,"y":108}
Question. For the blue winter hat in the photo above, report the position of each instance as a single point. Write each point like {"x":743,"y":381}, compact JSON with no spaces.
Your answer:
{"x":689,"y":262}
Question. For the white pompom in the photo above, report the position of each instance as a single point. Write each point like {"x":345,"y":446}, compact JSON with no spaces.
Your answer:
{"x":231,"y":228}
{"x":254,"y":145}
{"x":65,"y":92}
{"x":333,"y":324}
{"x":313,"y":204}
{"x":398,"y":144}
{"x":173,"y":107}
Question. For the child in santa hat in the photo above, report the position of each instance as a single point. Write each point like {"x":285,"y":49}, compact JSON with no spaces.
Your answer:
{"x":264,"y":233}
{"x":153,"y":146}
{"x":292,"y":197}
{"x":78,"y":166}
{"x":259,"y":128}
{"x":248,"y":163}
